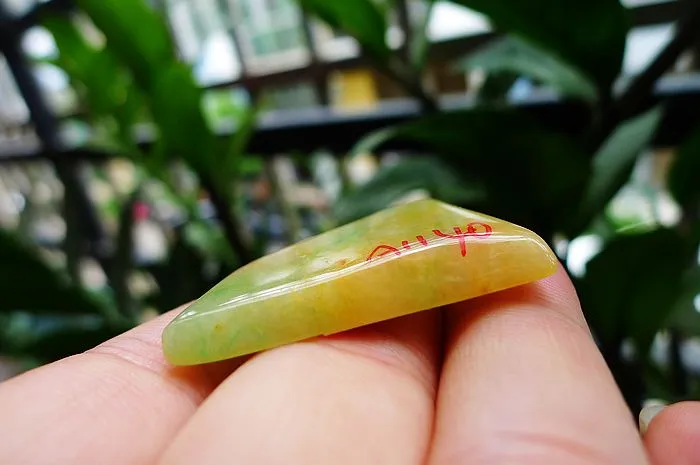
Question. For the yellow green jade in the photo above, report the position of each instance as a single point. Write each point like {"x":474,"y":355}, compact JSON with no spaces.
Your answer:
{"x":402,"y":260}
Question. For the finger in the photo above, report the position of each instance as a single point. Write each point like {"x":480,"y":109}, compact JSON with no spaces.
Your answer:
{"x":118,"y":403}
{"x":673,"y":437}
{"x":524,"y":383}
{"x":363,"y":397}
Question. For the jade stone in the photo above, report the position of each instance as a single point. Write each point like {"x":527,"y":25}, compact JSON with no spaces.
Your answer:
{"x":402,"y":260}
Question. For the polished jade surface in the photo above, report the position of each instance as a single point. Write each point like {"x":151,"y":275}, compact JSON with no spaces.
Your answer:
{"x":402,"y":260}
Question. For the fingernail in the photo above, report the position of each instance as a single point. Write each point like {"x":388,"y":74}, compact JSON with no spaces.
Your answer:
{"x":647,"y":414}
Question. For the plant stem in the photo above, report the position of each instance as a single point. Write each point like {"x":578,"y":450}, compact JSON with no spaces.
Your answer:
{"x":227,"y":220}
{"x":289,"y":211}
{"x":72,"y":242}
{"x":404,"y":18}
{"x":679,"y":376}
{"x":403,"y":74}
{"x":122,"y":262}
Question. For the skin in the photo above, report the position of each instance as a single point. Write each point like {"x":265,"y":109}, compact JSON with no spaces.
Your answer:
{"x":511,"y":378}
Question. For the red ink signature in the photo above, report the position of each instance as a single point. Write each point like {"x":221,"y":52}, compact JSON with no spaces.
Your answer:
{"x":473,"y":230}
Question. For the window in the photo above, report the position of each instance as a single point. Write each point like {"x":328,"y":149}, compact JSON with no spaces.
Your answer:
{"x":244,"y":10}
{"x":268,"y":27}
{"x":203,"y":39}
{"x":264,"y":44}
{"x":181,"y":17}
{"x":274,"y":4}
{"x":289,"y":38}
{"x":449,"y":21}
{"x":644,"y":44}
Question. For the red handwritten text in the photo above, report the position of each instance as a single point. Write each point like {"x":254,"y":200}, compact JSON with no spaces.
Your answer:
{"x":479,"y":230}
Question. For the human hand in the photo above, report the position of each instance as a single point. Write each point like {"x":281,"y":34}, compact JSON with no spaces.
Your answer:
{"x":511,"y":378}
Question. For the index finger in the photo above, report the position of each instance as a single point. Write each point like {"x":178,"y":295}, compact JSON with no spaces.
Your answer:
{"x":118,"y":403}
{"x":524,"y":383}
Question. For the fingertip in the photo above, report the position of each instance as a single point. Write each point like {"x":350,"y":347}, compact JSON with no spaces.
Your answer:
{"x":523,"y":377}
{"x":647,"y":414}
{"x":673,"y":436}
{"x":142,"y":346}
{"x":554,"y":294}
{"x":556,"y":290}
{"x":362,"y":396}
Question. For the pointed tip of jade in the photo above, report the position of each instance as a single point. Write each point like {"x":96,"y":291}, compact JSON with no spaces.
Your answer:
{"x":399,"y":261}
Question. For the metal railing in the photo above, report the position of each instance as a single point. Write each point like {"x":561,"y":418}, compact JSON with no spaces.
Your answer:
{"x":321,"y":127}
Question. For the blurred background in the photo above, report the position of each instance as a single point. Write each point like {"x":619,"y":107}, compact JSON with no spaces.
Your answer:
{"x":148,"y":148}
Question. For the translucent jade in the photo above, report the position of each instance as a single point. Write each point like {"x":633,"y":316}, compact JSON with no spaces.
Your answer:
{"x":406,"y":259}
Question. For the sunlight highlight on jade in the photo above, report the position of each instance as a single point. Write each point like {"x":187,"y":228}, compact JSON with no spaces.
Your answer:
{"x":399,"y":261}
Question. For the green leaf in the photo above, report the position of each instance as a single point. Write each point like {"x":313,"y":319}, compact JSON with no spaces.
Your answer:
{"x":239,"y":143}
{"x":394,"y":182}
{"x":420,"y":43}
{"x":229,"y":161}
{"x":494,"y":91}
{"x":138,"y":45}
{"x":512,"y":54}
{"x":376,"y":139}
{"x":686,"y":318}
{"x":384,"y":6}
{"x":251,"y":166}
{"x":135,"y":33}
{"x":630,"y":287}
{"x":683,"y":177}
{"x":614,"y":162}
{"x":590,"y":35}
{"x":507,"y":152}
{"x":103,"y":81}
{"x":177,"y":108}
{"x":105,"y":85}
{"x":132,"y":110}
{"x":29,"y":284}
{"x":210,"y":242}
{"x":362,"y":19}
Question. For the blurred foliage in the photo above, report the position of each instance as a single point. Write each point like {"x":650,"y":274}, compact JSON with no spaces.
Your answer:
{"x":393,"y":183}
{"x":31,"y":285}
{"x":420,"y":43}
{"x":492,"y":157}
{"x":623,"y":296}
{"x":477,"y":144}
{"x":592,"y":38}
{"x":612,"y":165}
{"x":562,"y":185}
{"x":514,"y":55}
{"x":43,"y":315}
{"x":127,"y":77}
{"x":683,"y":181}
{"x":363,"y":19}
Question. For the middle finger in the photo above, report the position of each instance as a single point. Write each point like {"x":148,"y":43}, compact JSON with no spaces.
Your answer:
{"x":366,"y":396}
{"x":523,"y":383}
